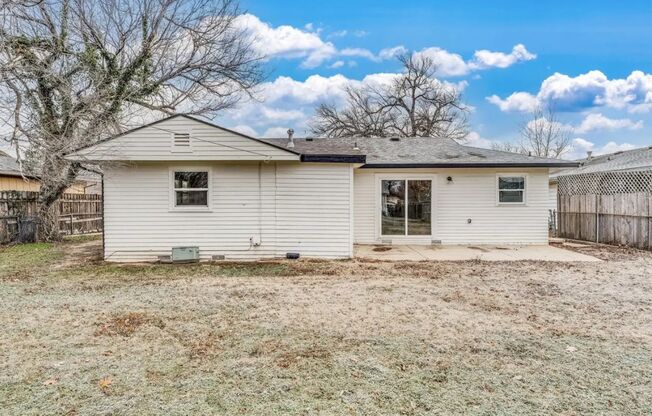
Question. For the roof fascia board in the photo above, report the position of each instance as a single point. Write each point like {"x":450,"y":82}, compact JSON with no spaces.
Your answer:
{"x":333,"y":158}
{"x":469,"y":165}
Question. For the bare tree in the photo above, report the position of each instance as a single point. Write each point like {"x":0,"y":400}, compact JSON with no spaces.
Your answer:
{"x":544,"y":135}
{"x":74,"y":71}
{"x":413,"y":104}
{"x":506,"y":147}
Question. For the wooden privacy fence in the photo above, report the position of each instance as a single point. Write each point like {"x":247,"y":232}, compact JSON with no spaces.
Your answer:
{"x":78,"y":214}
{"x":607,"y":207}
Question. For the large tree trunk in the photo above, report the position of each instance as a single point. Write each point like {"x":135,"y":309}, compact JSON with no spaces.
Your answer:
{"x":56,"y":176}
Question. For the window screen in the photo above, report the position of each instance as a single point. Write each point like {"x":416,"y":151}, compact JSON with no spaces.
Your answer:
{"x":511,"y":189}
{"x":191,"y":189}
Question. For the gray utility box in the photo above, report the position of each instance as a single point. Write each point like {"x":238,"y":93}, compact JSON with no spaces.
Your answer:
{"x":185,"y":254}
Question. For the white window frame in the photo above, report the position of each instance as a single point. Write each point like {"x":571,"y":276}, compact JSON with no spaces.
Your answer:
{"x":405,"y":177}
{"x":512,"y":175}
{"x":173,"y":190}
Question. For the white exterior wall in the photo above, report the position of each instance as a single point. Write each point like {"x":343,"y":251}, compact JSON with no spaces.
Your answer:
{"x":302,"y":207}
{"x":471,"y":195}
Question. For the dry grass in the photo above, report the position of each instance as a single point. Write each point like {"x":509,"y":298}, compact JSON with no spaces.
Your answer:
{"x":126,"y":324}
{"x":315,"y":337}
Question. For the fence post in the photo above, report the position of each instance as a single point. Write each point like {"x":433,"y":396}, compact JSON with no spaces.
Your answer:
{"x":72,"y":227}
{"x":597,"y":218}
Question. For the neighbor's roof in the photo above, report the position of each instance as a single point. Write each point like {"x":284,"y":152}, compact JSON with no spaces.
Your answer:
{"x":635,"y":159}
{"x":9,"y":166}
{"x":416,"y":152}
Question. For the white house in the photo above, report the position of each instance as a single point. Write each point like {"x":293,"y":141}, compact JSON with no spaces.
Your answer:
{"x":182,"y":181}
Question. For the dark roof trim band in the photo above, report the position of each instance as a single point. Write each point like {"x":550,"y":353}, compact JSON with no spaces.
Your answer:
{"x":334,"y":158}
{"x":471,"y":165}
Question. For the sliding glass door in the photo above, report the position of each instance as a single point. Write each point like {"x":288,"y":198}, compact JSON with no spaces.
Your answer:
{"x":406,"y":207}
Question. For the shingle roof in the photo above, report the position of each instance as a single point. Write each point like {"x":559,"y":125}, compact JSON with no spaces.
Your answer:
{"x":635,"y":159}
{"x":417,"y":152}
{"x":9,"y":165}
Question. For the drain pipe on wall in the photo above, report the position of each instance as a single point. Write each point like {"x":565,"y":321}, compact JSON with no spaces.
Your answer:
{"x":253,"y":241}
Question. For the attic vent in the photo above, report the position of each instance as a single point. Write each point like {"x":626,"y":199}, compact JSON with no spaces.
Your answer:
{"x":182,"y":141}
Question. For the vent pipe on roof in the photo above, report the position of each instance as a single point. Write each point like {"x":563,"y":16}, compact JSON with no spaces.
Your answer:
{"x":589,"y":154}
{"x":290,"y":138}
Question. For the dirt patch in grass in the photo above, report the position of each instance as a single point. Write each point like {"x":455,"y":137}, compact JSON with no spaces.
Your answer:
{"x":126,"y":324}
{"x":313,"y":352}
{"x":605,"y":251}
{"x":382,"y":248}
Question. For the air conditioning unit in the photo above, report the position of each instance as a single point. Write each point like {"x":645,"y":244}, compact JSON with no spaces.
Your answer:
{"x":185,"y":254}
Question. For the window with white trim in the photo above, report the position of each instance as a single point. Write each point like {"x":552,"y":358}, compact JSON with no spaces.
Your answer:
{"x":190,"y":188}
{"x":511,"y":189}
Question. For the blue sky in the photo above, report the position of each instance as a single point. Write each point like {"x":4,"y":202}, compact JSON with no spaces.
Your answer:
{"x":593,"y":60}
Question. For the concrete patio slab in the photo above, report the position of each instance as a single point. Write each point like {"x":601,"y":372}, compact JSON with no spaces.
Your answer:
{"x":457,"y":253}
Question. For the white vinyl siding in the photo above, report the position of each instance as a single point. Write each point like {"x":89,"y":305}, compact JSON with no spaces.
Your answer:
{"x":300,"y":207}
{"x":552,"y":196}
{"x":207,"y":142}
{"x":313,"y":207}
{"x":470,"y":195}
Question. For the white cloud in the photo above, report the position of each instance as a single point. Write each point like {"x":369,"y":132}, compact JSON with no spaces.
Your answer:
{"x":339,"y":34}
{"x":453,"y":64}
{"x":449,"y":64}
{"x":337,"y":64}
{"x":597,"y":121}
{"x":519,"y":101}
{"x":276,"y":132}
{"x":613,"y":147}
{"x":484,"y":59}
{"x":287,"y":41}
{"x":359,"y":52}
{"x":581,"y":146}
{"x":285,"y":102}
{"x":314,"y":89}
{"x":241,"y":128}
{"x":476,"y":140}
{"x":590,"y":90}
{"x":276,"y":114}
{"x":389,"y":53}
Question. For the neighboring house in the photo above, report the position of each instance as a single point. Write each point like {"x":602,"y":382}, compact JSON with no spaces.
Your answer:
{"x":625,"y":160}
{"x":186,"y":182}
{"x":12,"y":178}
{"x":606,"y":199}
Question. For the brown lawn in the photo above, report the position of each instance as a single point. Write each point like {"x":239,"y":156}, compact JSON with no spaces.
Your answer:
{"x":82,"y":337}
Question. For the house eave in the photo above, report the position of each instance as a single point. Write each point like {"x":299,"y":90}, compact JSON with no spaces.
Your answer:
{"x":469,"y":165}
{"x":325,"y":158}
